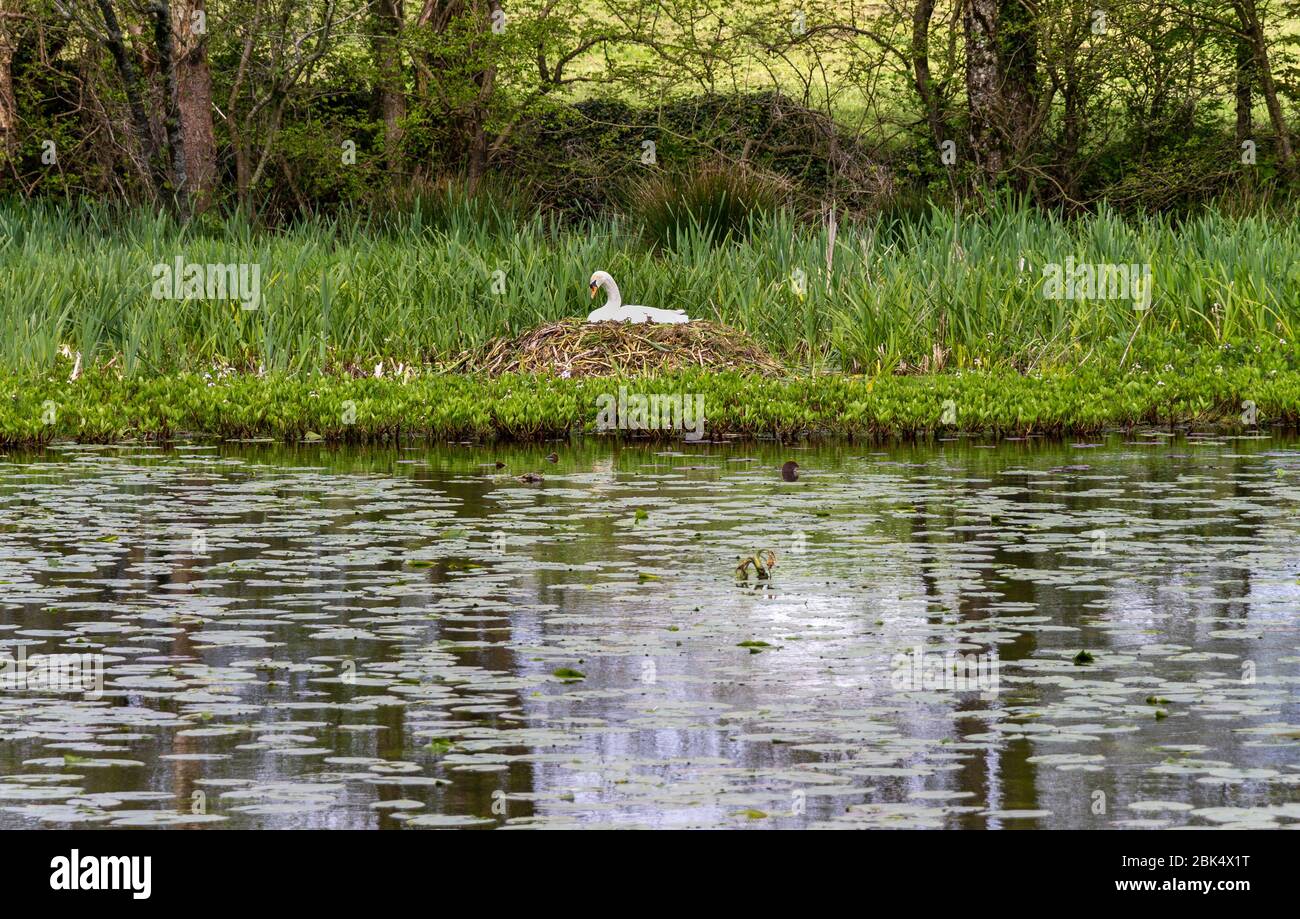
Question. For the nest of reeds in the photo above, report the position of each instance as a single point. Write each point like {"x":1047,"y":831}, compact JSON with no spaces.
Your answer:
{"x":576,"y":348}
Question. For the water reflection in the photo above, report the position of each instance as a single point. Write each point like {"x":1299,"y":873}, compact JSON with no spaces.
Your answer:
{"x":313,"y":637}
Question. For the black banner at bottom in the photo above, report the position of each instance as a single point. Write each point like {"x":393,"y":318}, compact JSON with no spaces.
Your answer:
{"x":345,"y":869}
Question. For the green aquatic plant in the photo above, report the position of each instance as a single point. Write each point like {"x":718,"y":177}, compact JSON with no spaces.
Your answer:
{"x":440,"y":746}
{"x":103,"y":407}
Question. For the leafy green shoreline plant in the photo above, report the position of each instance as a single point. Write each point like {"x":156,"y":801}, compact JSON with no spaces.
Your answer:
{"x":103,"y":407}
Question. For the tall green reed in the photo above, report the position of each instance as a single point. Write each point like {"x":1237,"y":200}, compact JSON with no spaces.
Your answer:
{"x":943,"y":289}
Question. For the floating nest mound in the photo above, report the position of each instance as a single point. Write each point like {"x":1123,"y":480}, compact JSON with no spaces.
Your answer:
{"x":576,"y":348}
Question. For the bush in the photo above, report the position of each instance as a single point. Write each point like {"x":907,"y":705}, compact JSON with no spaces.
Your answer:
{"x":585,"y":159}
{"x":716,"y":201}
{"x":495,"y":208}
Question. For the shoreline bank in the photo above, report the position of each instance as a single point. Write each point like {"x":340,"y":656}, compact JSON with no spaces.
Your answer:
{"x":103,"y":408}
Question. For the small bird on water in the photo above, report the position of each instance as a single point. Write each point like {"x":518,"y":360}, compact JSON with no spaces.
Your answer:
{"x":762,"y":561}
{"x":528,"y":478}
{"x":790,"y":471}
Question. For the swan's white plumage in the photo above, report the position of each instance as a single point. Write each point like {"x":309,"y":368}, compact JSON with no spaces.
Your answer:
{"x":615,"y":311}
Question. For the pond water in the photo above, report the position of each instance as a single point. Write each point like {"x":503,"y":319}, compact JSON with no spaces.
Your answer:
{"x":411,"y":637}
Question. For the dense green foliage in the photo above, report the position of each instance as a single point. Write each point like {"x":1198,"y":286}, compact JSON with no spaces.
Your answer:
{"x":286,"y":107}
{"x":1211,"y":386}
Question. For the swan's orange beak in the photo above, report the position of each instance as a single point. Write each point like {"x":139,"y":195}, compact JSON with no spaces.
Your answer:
{"x":592,"y":285}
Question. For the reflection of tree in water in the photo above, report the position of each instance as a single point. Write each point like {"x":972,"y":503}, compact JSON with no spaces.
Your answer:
{"x":1000,"y":777}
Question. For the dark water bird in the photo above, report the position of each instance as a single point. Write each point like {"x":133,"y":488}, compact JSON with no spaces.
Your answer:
{"x":529,"y":478}
{"x":499,"y":464}
{"x":790,"y":471}
{"x":552,"y":457}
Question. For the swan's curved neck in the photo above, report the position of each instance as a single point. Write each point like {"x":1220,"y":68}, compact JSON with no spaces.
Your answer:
{"x":615,"y":299}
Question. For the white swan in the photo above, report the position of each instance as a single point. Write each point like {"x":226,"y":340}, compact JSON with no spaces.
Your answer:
{"x":615,"y":311}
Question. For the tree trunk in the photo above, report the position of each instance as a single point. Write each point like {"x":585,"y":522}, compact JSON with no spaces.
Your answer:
{"x":238,"y":141}
{"x":8,"y":104}
{"x":194,"y":88}
{"x":160,"y":11}
{"x":1001,"y":81}
{"x":135,"y":102}
{"x":1017,"y":43}
{"x":1248,"y":14}
{"x":471,"y":144}
{"x":486,"y":80}
{"x":983,"y":86}
{"x":921,"y":17}
{"x":477,"y":154}
{"x":388,"y":19}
